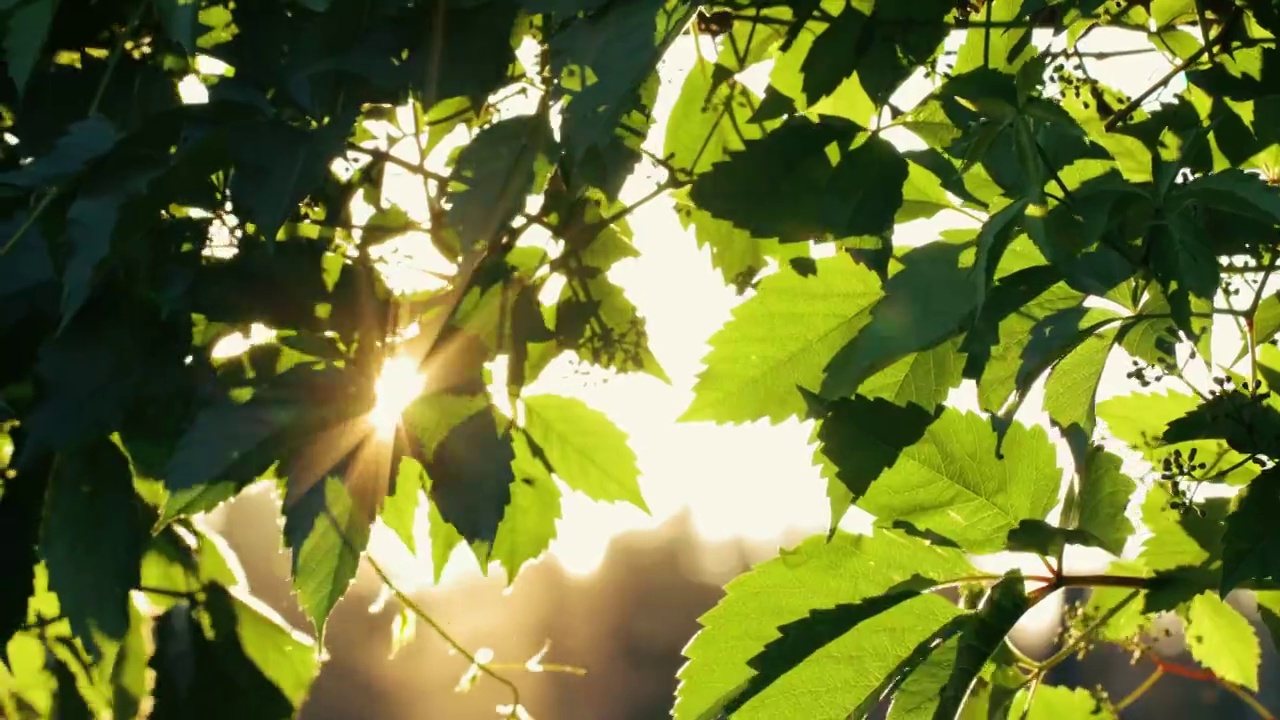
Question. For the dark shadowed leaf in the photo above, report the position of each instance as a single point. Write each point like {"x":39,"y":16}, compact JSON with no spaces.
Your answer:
{"x":92,"y":542}
{"x":493,"y":174}
{"x":529,"y":525}
{"x":1250,"y":552}
{"x":863,"y":438}
{"x":469,"y":464}
{"x":931,"y":299}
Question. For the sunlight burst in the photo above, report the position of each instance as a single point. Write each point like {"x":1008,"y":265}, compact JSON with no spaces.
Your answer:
{"x":398,"y":384}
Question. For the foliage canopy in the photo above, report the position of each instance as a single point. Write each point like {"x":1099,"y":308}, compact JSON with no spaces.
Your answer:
{"x":142,"y":229}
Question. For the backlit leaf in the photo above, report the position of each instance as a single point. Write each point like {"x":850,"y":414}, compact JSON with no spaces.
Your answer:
{"x":818,"y":574}
{"x":954,"y":483}
{"x":779,"y":340}
{"x":584,"y":448}
{"x":1222,"y":640}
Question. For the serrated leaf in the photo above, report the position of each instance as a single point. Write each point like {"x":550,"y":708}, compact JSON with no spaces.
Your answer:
{"x":708,"y":122}
{"x":983,"y":635}
{"x":1251,"y":538}
{"x":180,"y":19}
{"x":584,"y":448}
{"x":865,"y":191}
{"x":800,"y":640}
{"x":1140,"y":420}
{"x":1234,"y":190}
{"x":1180,"y":539}
{"x":932,"y":298}
{"x":863,"y":437}
{"x":400,"y":510}
{"x":953,"y":482}
{"x":1071,"y":389}
{"x":1103,"y":499}
{"x":470,"y":471}
{"x":1053,"y":702}
{"x":201,"y":650}
{"x":606,"y":329}
{"x":493,"y":175}
{"x":603,"y":58}
{"x":818,"y":574}
{"x":327,"y":531}
{"x":779,"y":340}
{"x":83,"y":142}
{"x":92,"y":542}
{"x":775,"y":186}
{"x":202,"y":473}
{"x":25,"y":36}
{"x":1223,"y":640}
{"x":529,"y":524}
{"x":924,"y":378}
{"x":1246,"y":422}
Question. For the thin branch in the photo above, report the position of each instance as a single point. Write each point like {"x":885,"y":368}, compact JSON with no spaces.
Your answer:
{"x":1195,"y":57}
{"x":422,"y":615}
{"x":1141,"y":690}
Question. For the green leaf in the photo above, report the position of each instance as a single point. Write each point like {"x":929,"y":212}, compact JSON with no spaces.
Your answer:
{"x":709,"y":122}
{"x":863,"y":437}
{"x":529,"y":525}
{"x":277,"y":165}
{"x":1002,"y":332}
{"x":602,"y":59}
{"x":1223,"y":640}
{"x":1234,"y":190}
{"x":400,"y":509}
{"x":1180,"y":538}
{"x":924,"y":378}
{"x":493,"y":175}
{"x":92,"y":541}
{"x":929,"y":300}
{"x":1140,"y":420}
{"x":21,"y":515}
{"x":818,"y":574}
{"x":802,"y":639}
{"x":216,"y":457}
{"x":25,"y":36}
{"x":779,"y":340}
{"x":776,"y":185}
{"x":605,"y":329}
{"x":1053,"y":702}
{"x":469,"y":466}
{"x":1250,"y":549}
{"x":228,"y":642}
{"x":583,"y":448}
{"x":1003,"y":607}
{"x":283,"y":655}
{"x":327,"y":531}
{"x":1247,"y":423}
{"x":1071,"y":389}
{"x":865,"y":191}
{"x":180,"y":19}
{"x":953,"y":482}
{"x":1103,"y":499}
{"x":83,"y":142}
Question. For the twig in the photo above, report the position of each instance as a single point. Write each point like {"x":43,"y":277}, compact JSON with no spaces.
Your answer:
{"x":422,"y":615}
{"x":1133,"y":105}
{"x":1141,"y":690}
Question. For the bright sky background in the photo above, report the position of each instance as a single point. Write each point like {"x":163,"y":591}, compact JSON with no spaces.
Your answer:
{"x":754,"y":481}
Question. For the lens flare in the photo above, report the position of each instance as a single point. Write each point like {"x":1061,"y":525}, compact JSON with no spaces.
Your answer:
{"x":397,"y":386}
